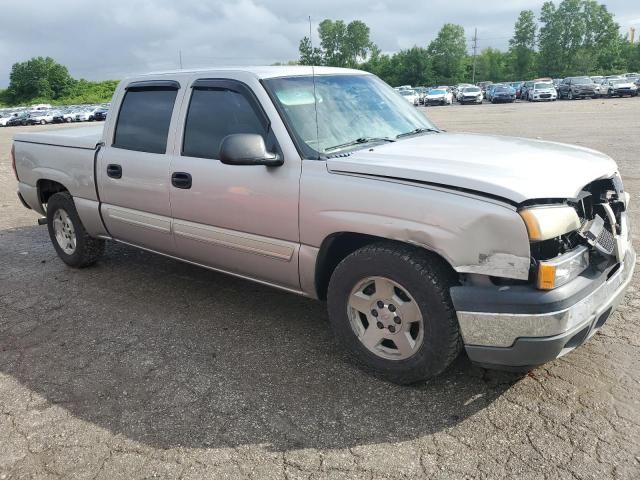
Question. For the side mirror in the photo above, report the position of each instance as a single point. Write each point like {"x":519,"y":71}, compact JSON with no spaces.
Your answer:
{"x":247,"y":149}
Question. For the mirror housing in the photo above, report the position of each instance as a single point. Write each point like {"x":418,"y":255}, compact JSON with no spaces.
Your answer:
{"x":247,"y":149}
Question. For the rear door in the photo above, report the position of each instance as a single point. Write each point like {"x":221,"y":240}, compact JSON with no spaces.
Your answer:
{"x":133,"y":168}
{"x":240,"y":219}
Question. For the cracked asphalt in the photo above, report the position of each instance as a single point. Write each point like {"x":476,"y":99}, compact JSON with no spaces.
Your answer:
{"x":144,"y":367}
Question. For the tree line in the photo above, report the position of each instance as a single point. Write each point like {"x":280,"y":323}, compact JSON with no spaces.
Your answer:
{"x":575,"y":37}
{"x":42,"y":80}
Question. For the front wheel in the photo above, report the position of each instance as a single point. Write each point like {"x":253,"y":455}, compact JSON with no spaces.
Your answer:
{"x":73,"y":244}
{"x":389,"y":307}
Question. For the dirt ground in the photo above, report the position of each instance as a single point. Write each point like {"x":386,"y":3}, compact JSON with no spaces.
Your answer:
{"x":144,"y":367}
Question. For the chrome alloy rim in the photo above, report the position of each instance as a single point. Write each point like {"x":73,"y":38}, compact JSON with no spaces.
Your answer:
{"x":64,"y":232}
{"x":385,"y":318}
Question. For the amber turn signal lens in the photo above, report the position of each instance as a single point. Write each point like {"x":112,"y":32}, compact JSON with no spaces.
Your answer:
{"x":546,"y":276}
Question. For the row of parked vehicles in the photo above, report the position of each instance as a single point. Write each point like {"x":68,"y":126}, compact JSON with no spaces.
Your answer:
{"x":539,"y":90}
{"x":42,"y":115}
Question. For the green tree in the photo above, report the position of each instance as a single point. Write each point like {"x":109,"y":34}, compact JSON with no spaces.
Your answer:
{"x":491,"y":65}
{"x":309,"y":55}
{"x":448,"y":52}
{"x":522,"y":45}
{"x":38,"y":78}
{"x":341,"y":45}
{"x":578,"y":37}
{"x":413,"y":67}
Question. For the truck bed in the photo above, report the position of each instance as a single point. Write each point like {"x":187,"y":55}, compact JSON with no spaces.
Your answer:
{"x":75,"y":137}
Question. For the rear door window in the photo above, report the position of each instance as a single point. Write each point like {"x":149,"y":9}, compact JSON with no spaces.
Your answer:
{"x":144,"y":119}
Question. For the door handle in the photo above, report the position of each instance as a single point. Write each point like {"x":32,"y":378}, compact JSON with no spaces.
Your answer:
{"x":181,"y":180}
{"x":114,"y":171}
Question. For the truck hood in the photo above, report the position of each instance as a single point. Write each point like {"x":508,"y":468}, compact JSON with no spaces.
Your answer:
{"x":515,"y":169}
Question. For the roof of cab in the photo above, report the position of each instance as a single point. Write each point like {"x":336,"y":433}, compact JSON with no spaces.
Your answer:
{"x":264,"y":71}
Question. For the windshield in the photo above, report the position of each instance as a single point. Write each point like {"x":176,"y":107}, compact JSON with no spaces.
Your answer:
{"x":543,"y":86}
{"x":407,"y":93}
{"x":437,"y":92}
{"x":471,"y":90}
{"x":349,"y":107}
{"x":582,"y":81}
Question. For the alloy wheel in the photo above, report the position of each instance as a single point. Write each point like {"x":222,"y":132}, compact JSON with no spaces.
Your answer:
{"x":64,"y":232}
{"x":385,"y":318}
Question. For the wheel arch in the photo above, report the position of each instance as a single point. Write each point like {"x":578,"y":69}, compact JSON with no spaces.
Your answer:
{"x":47,"y":188}
{"x":335,"y":247}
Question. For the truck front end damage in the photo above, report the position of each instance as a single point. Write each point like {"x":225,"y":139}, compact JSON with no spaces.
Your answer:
{"x":582,"y":261}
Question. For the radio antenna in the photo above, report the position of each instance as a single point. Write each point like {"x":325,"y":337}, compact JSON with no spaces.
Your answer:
{"x":315,"y":98}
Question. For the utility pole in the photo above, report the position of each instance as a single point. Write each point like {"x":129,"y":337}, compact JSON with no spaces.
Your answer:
{"x":180,"y":54}
{"x":475,"y":50}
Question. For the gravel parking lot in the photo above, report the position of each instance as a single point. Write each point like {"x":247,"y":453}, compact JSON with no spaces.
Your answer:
{"x":144,"y":367}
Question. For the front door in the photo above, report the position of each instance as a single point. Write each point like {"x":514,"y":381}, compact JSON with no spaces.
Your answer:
{"x":240,"y":219}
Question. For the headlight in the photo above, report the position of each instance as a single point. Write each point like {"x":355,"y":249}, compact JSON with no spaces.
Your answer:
{"x":562,"y":269}
{"x":551,"y":221}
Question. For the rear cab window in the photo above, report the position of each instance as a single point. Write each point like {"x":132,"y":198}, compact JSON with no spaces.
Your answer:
{"x":145,"y":116}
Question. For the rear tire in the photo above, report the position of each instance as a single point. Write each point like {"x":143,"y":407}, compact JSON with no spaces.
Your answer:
{"x":408,"y":289}
{"x":71,"y":241}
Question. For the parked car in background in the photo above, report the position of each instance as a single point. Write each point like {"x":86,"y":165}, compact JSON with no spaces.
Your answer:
{"x":542,"y":91}
{"x":86,"y":115}
{"x":470,"y":95}
{"x":517,"y":86}
{"x":483,"y":86}
{"x":41,"y":117}
{"x":620,"y":87}
{"x":438,"y":96}
{"x":524,"y":90}
{"x":5,"y":117}
{"x":21,"y":118}
{"x":100,"y":114}
{"x":458,"y":88}
{"x":487,"y":93}
{"x":410,"y":95}
{"x":572,"y":88}
{"x":503,"y":94}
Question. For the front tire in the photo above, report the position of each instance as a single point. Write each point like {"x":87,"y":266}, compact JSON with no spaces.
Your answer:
{"x":390,"y":308}
{"x":71,"y":241}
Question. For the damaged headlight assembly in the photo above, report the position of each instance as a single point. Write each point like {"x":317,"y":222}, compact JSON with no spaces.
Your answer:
{"x":552,"y":221}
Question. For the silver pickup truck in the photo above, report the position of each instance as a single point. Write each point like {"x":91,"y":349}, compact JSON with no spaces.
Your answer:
{"x":327,"y":183}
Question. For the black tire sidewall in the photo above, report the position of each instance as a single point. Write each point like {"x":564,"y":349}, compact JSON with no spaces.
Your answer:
{"x":64,"y":201}
{"x":432,"y":356}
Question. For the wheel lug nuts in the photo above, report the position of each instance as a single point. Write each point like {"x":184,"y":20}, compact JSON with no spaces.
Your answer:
{"x":392,"y":328}
{"x":380,"y":325}
{"x":374,"y":313}
{"x":380,"y":304}
{"x":397,"y":320}
{"x":392,"y":308}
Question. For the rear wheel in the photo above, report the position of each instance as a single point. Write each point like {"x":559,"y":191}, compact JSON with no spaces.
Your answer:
{"x":389,"y":306}
{"x":73,"y":244}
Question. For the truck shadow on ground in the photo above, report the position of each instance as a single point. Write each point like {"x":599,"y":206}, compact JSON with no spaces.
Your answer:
{"x":172,"y":355}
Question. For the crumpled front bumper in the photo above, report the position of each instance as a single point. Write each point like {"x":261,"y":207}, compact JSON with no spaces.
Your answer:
{"x":523,"y":327}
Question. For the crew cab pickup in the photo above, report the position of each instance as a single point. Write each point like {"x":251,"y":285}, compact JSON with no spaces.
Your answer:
{"x":326,"y":183}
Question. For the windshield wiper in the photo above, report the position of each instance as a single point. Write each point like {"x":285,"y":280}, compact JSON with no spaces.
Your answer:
{"x":417,"y":131}
{"x":360,"y":140}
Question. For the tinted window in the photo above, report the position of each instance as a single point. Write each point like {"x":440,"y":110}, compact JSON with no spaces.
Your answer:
{"x":143,"y":122}
{"x":213,"y":114}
